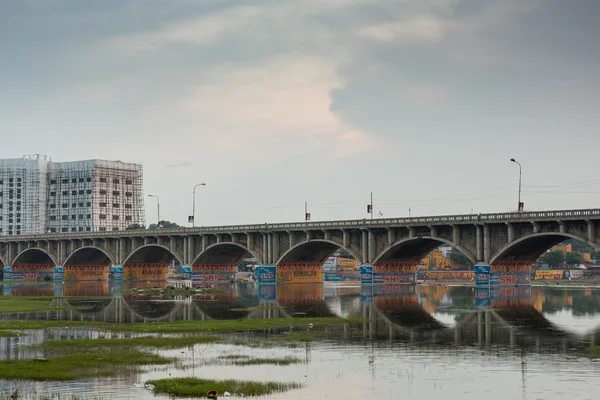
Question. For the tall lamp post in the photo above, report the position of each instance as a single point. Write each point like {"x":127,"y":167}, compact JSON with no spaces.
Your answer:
{"x":519,"y":208}
{"x":194,"y":204}
{"x":157,"y":208}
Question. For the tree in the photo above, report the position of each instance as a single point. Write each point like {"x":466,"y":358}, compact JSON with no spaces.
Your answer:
{"x":574,"y":258}
{"x":134,"y":227}
{"x":166,"y":225}
{"x":459,"y":258}
{"x":554,"y":258}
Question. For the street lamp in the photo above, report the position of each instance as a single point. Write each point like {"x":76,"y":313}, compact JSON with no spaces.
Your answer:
{"x":194,"y":204}
{"x":520,"y":170}
{"x":157,"y":208}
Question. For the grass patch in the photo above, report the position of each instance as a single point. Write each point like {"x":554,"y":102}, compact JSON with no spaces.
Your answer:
{"x":40,"y":396}
{"x":103,"y":361}
{"x":594,"y":353}
{"x":80,"y":345}
{"x":247,"y":360}
{"x":228,"y":325}
{"x":9,"y":334}
{"x":194,"y":387}
{"x":9,"y":304}
{"x":38,"y":324}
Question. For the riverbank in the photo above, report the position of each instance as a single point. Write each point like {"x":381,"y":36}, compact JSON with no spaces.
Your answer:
{"x":577,"y":283}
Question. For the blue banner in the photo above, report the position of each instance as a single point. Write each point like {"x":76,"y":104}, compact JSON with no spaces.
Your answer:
{"x":366,"y":274}
{"x":267,"y":274}
{"x":59,"y":289}
{"x":267,"y":292}
{"x":482,"y":275}
{"x":482,"y":298}
{"x":58,"y":273}
{"x":332,"y":276}
{"x":7,"y":273}
{"x":186,"y":271}
{"x":117,"y":273}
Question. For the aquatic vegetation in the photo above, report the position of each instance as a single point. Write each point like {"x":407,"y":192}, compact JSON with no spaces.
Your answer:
{"x":195,"y":387}
{"x":241,"y":360}
{"x":80,"y":345}
{"x":102,"y":361}
{"x":39,"y":324}
{"x":9,"y":334}
{"x":9,"y":304}
{"x":39,"y":396}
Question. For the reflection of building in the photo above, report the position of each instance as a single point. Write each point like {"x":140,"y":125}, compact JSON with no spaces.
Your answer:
{"x":39,"y":196}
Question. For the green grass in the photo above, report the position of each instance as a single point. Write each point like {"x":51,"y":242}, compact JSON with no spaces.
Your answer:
{"x":103,"y":361}
{"x":194,"y":387}
{"x":9,"y":304}
{"x":38,"y":324}
{"x":9,"y":334}
{"x":594,"y":353}
{"x":80,"y":345}
{"x":228,"y":325}
{"x":241,"y":360}
{"x":40,"y":396}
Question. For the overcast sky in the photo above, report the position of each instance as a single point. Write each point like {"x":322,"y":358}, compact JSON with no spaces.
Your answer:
{"x":273,"y":102}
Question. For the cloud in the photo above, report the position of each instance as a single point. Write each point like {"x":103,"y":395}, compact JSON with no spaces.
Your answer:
{"x":420,"y":29}
{"x":184,"y":164}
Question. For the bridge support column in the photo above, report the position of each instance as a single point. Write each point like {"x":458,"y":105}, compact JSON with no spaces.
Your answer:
{"x":346,"y":238}
{"x":510,"y":232}
{"x":371,"y":247}
{"x":456,"y":235}
{"x":291,"y":240}
{"x":479,"y":242}
{"x":591,"y":231}
{"x":365,"y":246}
{"x":391,"y":236}
{"x":265,"y":246}
{"x":275,"y":243}
{"x":185,"y":250}
{"x":561,"y":227}
{"x":487,"y":244}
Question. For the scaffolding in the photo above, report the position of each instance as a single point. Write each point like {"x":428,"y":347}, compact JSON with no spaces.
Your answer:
{"x":39,"y":196}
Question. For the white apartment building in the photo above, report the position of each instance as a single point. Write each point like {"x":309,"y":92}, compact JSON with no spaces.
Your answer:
{"x":68,"y":197}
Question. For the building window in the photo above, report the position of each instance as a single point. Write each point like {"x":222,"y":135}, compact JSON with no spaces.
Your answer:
{"x":89,"y":216}
{"x":128,"y":206}
{"x":74,"y":180}
{"x":128,"y":194}
{"x":116,"y":181}
{"x":102,"y":229}
{"x":80,"y":216}
{"x":80,"y":179}
{"x":102,"y":216}
{"x":81,"y":229}
{"x":53,"y":181}
{"x":65,"y":205}
{"x":52,"y":230}
{"x":116,"y":193}
{"x":74,"y":192}
{"x":116,"y":205}
{"x":87,"y":229}
{"x":65,"y":193}
{"x":102,"y":191}
{"x":81,"y":192}
{"x":64,"y":230}
{"x":73,"y":216}
{"x":73,"y":205}
{"x":116,"y":228}
{"x":52,"y":205}
{"x":102,"y":180}
{"x":18,"y":220}
{"x":73,"y":229}
{"x":89,"y":204}
{"x":88,"y":179}
{"x":65,"y":217}
{"x":53,"y":218}
{"x":115,"y":217}
{"x":81,"y":204}
{"x":128,"y":182}
{"x":102,"y":205}
{"x":128,"y":218}
{"x":52,"y":194}
{"x":65,"y":181}
{"x":89,"y":191}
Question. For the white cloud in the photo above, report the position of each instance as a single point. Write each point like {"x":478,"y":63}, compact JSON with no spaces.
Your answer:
{"x":420,"y":29}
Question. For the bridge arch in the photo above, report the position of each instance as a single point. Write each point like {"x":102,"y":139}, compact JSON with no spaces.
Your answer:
{"x":224,"y":253}
{"x":152,"y":253}
{"x":531,"y":247}
{"x":88,"y":263}
{"x":414,"y":249}
{"x":315,"y":251}
{"x":92,"y":251}
{"x":34,"y":255}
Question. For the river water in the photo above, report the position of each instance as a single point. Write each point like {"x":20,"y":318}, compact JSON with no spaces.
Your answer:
{"x":452,"y":342}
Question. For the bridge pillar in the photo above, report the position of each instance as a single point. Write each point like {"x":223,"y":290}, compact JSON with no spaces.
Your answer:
{"x":275,"y":246}
{"x":456,"y":235}
{"x":365,"y":246}
{"x":391,"y":236}
{"x":479,"y":243}
{"x":265,"y":247}
{"x":591,"y":231}
{"x":561,"y":227}
{"x":291,"y":239}
{"x":371,"y":247}
{"x":487,"y":244}
{"x":345,"y":238}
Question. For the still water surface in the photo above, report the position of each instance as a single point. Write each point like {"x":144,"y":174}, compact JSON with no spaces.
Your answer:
{"x":413,"y":343}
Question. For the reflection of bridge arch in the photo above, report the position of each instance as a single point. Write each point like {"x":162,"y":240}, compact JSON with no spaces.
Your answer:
{"x":33,"y":255}
{"x":315,"y":250}
{"x":531,"y":247}
{"x":416,"y":248}
{"x":224,"y":253}
{"x":153,"y":253}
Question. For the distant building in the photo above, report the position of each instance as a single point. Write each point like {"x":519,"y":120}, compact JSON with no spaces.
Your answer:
{"x":39,"y":196}
{"x":565,"y":248}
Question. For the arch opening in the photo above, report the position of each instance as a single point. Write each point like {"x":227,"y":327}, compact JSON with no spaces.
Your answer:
{"x":87,"y":264}
{"x":431,"y":259}
{"x":318,"y":260}
{"x":149,"y":263}
{"x":220,"y":263}
{"x":33,"y":265}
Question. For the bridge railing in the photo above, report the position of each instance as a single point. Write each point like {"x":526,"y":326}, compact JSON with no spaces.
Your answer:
{"x":348,"y":224}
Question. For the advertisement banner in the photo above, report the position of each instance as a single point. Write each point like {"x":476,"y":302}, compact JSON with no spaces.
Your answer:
{"x":510,"y":278}
{"x":366,"y":274}
{"x":267,"y":274}
{"x":58,"y":273}
{"x":117,"y":271}
{"x":7,"y":273}
{"x":449,"y":276}
{"x":86,"y":272}
{"x":549,"y":274}
{"x":396,"y":267}
{"x":511,"y":266}
{"x":145,"y":272}
{"x":482,"y":275}
{"x":214,"y":272}
{"x":32,"y":272}
{"x":186,"y":272}
{"x":300,"y":273}
{"x":482,"y":297}
{"x":395,"y":277}
{"x":267,"y":292}
{"x":510,"y":297}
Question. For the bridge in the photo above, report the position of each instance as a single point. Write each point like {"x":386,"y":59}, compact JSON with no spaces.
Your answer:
{"x":394,"y":246}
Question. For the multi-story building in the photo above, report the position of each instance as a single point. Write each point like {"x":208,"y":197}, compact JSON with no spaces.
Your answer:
{"x":79,"y":196}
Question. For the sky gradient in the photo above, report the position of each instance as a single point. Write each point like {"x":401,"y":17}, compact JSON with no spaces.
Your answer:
{"x":273,"y":103}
